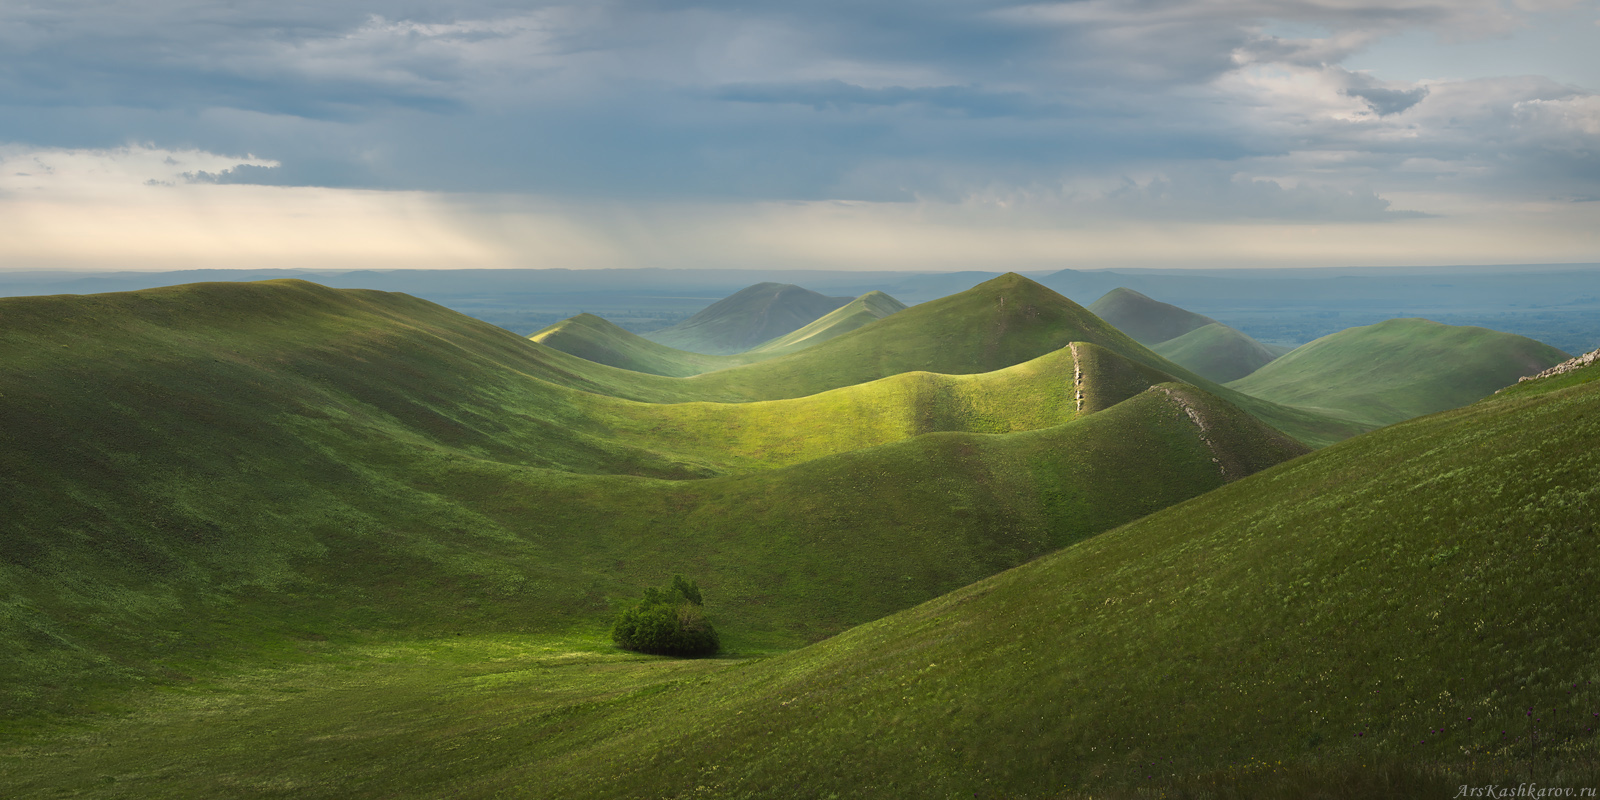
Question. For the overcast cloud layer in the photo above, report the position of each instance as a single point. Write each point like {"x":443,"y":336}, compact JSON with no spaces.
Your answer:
{"x":596,"y":133}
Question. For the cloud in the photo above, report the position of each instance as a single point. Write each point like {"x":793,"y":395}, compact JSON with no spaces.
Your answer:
{"x":1218,"y":197}
{"x":1384,"y":100}
{"x":968,"y":101}
{"x":63,"y":172}
{"x":1179,"y":110}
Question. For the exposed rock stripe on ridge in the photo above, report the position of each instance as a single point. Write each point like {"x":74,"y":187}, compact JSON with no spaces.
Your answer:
{"x":1077,"y":374}
{"x":1199,"y":422}
{"x":1570,"y":365}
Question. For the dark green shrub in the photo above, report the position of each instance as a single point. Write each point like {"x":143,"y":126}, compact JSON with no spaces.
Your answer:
{"x":667,"y":622}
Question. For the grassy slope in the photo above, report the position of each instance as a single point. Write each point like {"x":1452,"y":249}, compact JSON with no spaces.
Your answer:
{"x":1353,"y":607}
{"x":221,"y":469}
{"x":1399,"y":369}
{"x":1216,"y":352}
{"x":594,"y":339}
{"x":869,"y":307}
{"x":747,"y":318}
{"x":1147,"y":320}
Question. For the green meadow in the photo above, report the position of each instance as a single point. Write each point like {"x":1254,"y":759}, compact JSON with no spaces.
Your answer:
{"x":283,"y":540}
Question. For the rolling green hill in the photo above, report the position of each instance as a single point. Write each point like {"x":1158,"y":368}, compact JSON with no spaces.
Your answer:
{"x":1216,"y":352}
{"x":594,"y":339}
{"x":996,"y":324}
{"x":747,"y":318}
{"x":869,"y":307}
{"x":221,"y":474}
{"x":1374,"y":619}
{"x":1147,"y":320}
{"x":1399,"y":369}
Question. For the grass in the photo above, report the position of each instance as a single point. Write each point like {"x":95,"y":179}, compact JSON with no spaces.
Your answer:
{"x":217,"y":472}
{"x":1399,"y":369}
{"x":747,"y":318}
{"x":1216,"y":352}
{"x":1365,"y":620}
{"x":306,"y":728}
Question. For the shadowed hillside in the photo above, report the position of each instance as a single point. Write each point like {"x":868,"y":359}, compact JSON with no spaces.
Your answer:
{"x":1396,"y":370}
{"x":747,"y":318}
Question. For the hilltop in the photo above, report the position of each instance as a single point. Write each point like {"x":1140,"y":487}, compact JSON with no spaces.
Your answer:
{"x":1399,"y":369}
{"x":747,"y":318}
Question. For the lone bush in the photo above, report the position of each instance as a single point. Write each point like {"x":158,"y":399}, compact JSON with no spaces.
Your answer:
{"x":667,"y":622}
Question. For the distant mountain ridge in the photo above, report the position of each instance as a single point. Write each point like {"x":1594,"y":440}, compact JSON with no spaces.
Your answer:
{"x":749,"y":317}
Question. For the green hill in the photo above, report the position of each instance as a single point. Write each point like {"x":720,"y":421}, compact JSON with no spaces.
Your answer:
{"x":1399,"y":369}
{"x":1147,"y":320}
{"x":594,"y":339}
{"x":747,"y":318}
{"x":223,"y":474}
{"x":1375,"y":619}
{"x":869,"y":307}
{"x":1216,"y":352}
{"x":1001,"y":322}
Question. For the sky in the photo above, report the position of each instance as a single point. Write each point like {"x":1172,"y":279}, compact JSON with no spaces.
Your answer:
{"x":929,"y":135}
